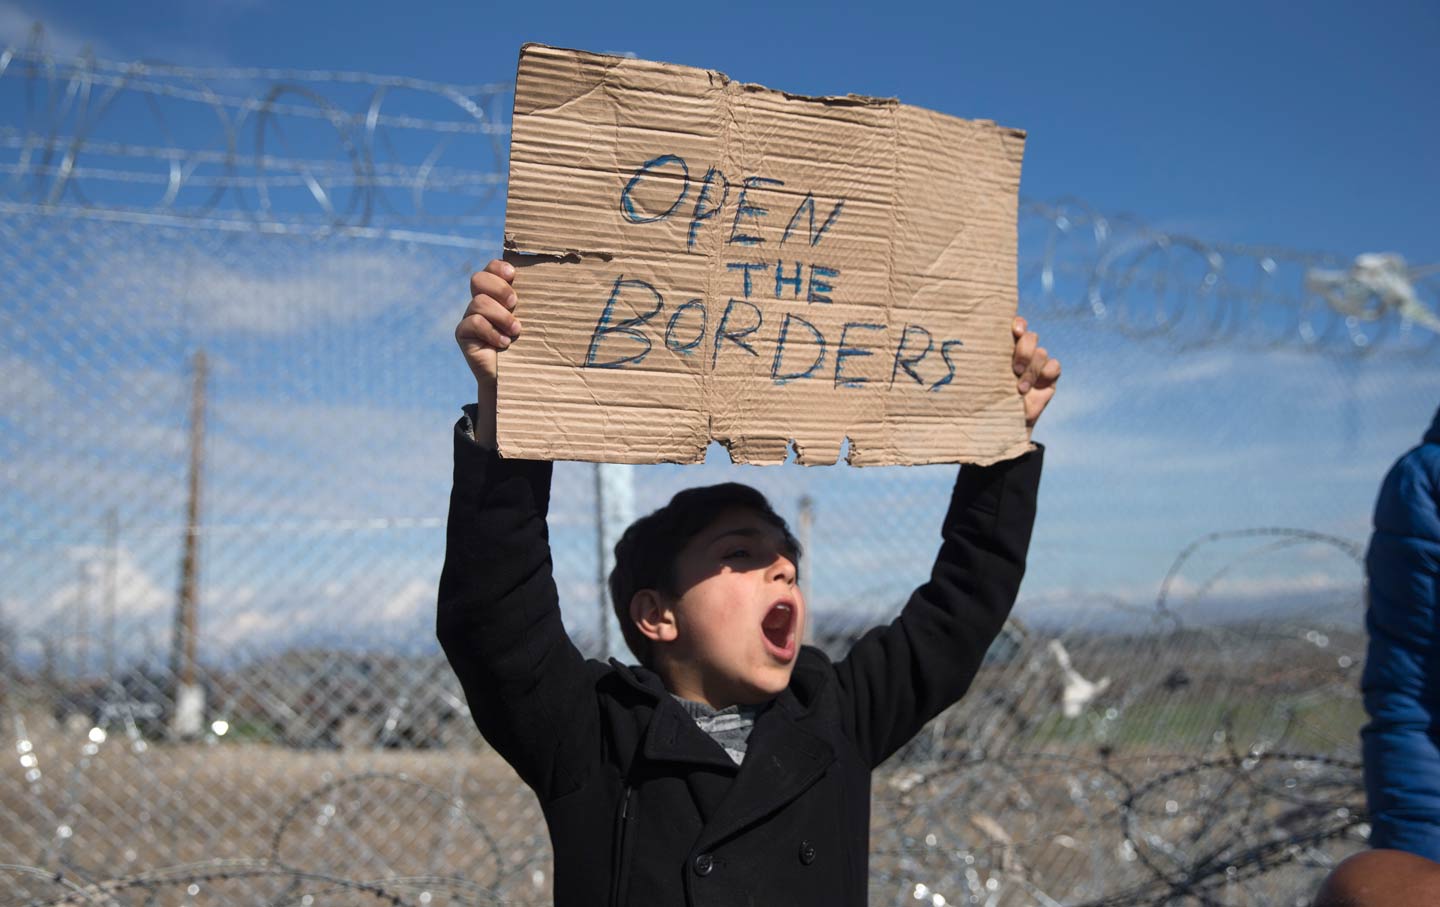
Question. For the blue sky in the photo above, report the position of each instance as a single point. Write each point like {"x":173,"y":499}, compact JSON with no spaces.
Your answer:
{"x":1308,"y":125}
{"x":1309,"y":129}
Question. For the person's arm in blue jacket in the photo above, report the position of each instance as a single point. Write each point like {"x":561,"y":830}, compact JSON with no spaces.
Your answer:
{"x":1401,"y":682}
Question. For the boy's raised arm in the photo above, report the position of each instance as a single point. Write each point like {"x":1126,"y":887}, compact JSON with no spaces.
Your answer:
{"x":900,"y":676}
{"x":499,"y":616}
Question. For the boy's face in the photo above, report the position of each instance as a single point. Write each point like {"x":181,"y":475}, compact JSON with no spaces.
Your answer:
{"x":739,"y":617}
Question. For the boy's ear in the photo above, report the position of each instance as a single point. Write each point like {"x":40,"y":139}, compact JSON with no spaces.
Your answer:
{"x":652,"y":614}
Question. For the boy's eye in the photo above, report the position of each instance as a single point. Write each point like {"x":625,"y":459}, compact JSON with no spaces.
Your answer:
{"x":737,"y":553}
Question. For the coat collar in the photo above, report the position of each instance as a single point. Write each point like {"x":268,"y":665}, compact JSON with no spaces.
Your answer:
{"x":1433,"y":435}
{"x":671,"y":735}
{"x":805,"y":682}
{"x":784,"y":758}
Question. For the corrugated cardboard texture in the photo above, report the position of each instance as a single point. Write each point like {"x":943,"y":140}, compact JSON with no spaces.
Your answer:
{"x":699,"y":258}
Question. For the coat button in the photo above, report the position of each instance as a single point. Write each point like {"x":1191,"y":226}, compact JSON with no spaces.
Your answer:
{"x":704,"y":864}
{"x":807,"y":852}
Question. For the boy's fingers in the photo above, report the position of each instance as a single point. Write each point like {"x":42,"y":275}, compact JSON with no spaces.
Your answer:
{"x":484,"y":283}
{"x":476,"y":328}
{"x":1018,"y":326}
{"x":1024,"y":350}
{"x":502,"y":269}
{"x":1050,"y":373}
{"x":1035,"y":403}
{"x":496,"y":313}
{"x":1041,"y":388}
{"x":1032,"y":369}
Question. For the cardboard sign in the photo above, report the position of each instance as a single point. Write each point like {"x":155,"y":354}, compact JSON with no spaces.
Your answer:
{"x":703,"y":259}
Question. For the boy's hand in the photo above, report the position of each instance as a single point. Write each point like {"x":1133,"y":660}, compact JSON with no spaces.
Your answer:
{"x":1035,"y":369}
{"x":487,"y":328}
{"x":488,"y":325}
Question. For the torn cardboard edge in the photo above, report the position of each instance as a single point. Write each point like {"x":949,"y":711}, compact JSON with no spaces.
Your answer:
{"x":919,"y":245}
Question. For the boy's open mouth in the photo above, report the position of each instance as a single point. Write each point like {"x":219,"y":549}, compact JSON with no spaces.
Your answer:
{"x":778,"y":628}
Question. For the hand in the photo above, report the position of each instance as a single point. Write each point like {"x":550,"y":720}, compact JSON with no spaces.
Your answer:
{"x":1036,"y":371}
{"x":488,"y":325}
{"x":487,"y":328}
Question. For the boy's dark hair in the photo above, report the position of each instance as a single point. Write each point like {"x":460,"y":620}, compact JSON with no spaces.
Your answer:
{"x":646,"y":554}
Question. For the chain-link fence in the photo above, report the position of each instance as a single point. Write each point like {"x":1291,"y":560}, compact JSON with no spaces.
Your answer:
{"x":1170,"y":718}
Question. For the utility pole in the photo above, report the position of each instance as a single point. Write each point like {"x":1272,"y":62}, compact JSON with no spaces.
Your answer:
{"x":188,"y":718}
{"x":601,"y":577}
{"x":83,"y":568}
{"x":112,"y":582}
{"x":807,"y":522}
{"x":614,"y":511}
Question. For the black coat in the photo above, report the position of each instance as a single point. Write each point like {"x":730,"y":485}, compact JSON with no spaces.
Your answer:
{"x":643,"y":807}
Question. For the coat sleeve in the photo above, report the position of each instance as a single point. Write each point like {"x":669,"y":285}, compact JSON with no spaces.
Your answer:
{"x":1401,"y":680}
{"x":499,"y":620}
{"x":900,"y":676}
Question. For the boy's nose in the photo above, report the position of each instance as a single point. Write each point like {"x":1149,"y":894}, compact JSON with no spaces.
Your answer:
{"x":784,"y":569}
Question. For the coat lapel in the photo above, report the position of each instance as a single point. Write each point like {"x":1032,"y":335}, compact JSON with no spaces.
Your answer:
{"x":670,"y":735}
{"x":782,"y":760}
{"x":673,"y":736}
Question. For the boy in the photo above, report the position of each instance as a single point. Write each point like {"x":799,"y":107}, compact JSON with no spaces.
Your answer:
{"x":734,"y":766}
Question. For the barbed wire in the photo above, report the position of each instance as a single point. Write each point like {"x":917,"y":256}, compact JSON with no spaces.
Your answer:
{"x":1153,"y":285}
{"x":74,"y":147}
{"x":385,"y":178}
{"x":190,"y":877}
{"x":1221,"y":852}
{"x":1285,"y":537}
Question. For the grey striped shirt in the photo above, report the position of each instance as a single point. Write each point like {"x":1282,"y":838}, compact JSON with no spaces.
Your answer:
{"x":730,"y":727}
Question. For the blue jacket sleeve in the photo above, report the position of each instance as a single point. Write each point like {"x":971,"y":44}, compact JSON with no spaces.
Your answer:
{"x":499,"y":621}
{"x":900,"y":676}
{"x":1401,"y":682}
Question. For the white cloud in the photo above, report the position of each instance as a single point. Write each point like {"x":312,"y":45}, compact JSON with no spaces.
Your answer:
{"x":1206,"y":366}
{"x":1313,"y":582}
{"x":65,"y":39}
{"x":250,"y":626}
{"x":17,"y":22}
{"x":82,"y":586}
{"x":1076,"y":401}
{"x":300,"y":459}
{"x":266,"y":297}
{"x":414,"y":599}
{"x":25,"y":388}
{"x":1133,"y":606}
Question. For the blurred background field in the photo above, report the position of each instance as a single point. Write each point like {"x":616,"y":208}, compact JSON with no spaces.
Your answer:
{"x":1188,"y":783}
